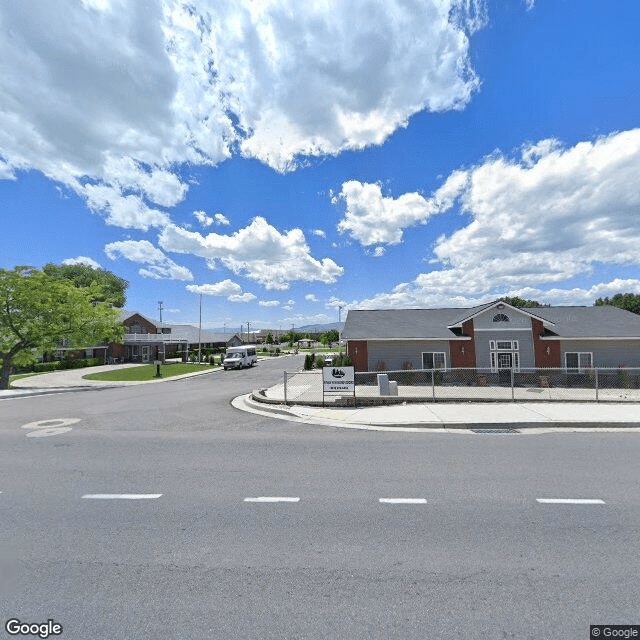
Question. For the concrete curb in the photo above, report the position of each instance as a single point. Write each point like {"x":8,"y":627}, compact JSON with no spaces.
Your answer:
{"x":249,"y":403}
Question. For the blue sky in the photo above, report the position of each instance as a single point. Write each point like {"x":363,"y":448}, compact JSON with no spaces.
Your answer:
{"x":286,"y":158}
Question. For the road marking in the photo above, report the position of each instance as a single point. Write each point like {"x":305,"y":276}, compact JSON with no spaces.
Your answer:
{"x":51,"y":427}
{"x":570,"y":500}
{"x":403,"y":500}
{"x":122,"y":496}
{"x":272,"y":499}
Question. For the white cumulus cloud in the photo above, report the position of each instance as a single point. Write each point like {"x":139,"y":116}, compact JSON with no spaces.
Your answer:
{"x":269,"y":303}
{"x":259,"y":252}
{"x":119,"y":95}
{"x":372,"y":218}
{"x":228,"y":289}
{"x":157,"y":264}
{"x":203,"y":218}
{"x":537,"y":220}
{"x":89,"y":262}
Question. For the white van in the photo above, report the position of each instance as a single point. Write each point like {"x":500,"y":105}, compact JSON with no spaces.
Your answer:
{"x":240,"y":357}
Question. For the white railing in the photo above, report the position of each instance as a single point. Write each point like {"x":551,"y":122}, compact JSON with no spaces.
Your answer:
{"x":130,"y":338}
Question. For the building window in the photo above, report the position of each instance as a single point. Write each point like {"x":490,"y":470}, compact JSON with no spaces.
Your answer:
{"x":135,"y":327}
{"x":501,"y":317}
{"x":504,"y":354}
{"x":504,"y":345}
{"x":577,"y":362}
{"x":434,"y":360}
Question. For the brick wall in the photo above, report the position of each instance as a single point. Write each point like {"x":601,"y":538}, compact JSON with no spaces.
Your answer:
{"x":357,"y":351}
{"x":468,"y":358}
{"x":544,"y":359}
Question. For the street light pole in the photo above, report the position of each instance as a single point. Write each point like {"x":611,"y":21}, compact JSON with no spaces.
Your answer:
{"x":200,"y":333}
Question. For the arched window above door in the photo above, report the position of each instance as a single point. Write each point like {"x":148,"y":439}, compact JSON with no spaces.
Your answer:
{"x":501,"y":317}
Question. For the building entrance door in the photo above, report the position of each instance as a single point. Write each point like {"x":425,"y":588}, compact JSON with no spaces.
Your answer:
{"x":145,"y":353}
{"x":505,"y":362}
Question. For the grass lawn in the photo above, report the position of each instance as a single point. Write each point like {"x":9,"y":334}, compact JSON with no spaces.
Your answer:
{"x":147,"y":372}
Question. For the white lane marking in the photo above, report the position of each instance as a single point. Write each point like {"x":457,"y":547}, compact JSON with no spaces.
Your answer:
{"x":403,"y":500}
{"x":122,"y":496}
{"x":570,"y":500}
{"x":272,"y":499}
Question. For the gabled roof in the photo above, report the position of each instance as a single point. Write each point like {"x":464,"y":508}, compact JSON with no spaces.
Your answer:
{"x":475,"y":311}
{"x":591,"y":322}
{"x":422,"y":324}
{"x":190,"y":333}
{"x":398,"y":324}
{"x":125,"y":315}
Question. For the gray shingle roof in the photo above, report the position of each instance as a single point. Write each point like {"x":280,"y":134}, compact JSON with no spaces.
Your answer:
{"x":396,"y":324}
{"x":591,"y":322}
{"x":190,"y":333}
{"x":415,"y":324}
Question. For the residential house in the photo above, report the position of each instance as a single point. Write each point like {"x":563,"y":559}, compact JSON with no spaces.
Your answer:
{"x":493,"y":336}
{"x":147,"y":340}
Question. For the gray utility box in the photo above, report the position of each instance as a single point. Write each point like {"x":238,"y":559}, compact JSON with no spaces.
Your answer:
{"x":393,"y":388}
{"x":383,"y":384}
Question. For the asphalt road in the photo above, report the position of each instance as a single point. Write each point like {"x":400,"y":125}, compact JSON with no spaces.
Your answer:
{"x":478,"y":556}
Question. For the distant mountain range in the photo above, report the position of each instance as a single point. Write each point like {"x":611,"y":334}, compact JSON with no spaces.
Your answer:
{"x":308,"y":328}
{"x":315,"y":328}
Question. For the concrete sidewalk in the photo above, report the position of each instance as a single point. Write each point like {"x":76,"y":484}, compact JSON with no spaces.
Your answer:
{"x":72,"y":380}
{"x":459,"y":415}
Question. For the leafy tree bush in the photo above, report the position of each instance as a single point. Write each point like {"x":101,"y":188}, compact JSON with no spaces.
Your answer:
{"x":41,"y":367}
{"x":521,"y":302}
{"x":112,"y":288}
{"x":329,"y":337}
{"x":308,"y":362}
{"x":627,"y":301}
{"x":319,"y":362}
{"x":38,"y":311}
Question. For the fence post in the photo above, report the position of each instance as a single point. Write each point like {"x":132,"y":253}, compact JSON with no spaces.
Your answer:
{"x":513,"y":397}
{"x":433,"y":384}
{"x":285,"y":389}
{"x":597,"y":386}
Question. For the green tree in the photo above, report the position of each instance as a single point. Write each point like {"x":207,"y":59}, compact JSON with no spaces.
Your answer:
{"x":329,"y":337}
{"x":628,"y":301}
{"x":38,"y":312}
{"x":521,"y":302}
{"x":269,"y":338}
{"x":112,"y":288}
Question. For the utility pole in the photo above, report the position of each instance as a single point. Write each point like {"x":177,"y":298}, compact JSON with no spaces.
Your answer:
{"x":200,"y":333}
{"x":160,"y":307}
{"x":248,"y":336}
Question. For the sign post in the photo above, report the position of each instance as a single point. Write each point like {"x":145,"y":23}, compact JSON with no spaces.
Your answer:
{"x":338,"y":380}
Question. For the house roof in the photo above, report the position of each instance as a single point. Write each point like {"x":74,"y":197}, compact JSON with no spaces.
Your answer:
{"x":417,"y":324}
{"x":398,"y":324}
{"x":591,"y":322}
{"x":190,"y":333}
{"x":124,"y":315}
{"x":475,"y":311}
{"x":182,"y":331}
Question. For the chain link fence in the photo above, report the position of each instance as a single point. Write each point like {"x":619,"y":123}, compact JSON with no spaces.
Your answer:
{"x":621,"y":384}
